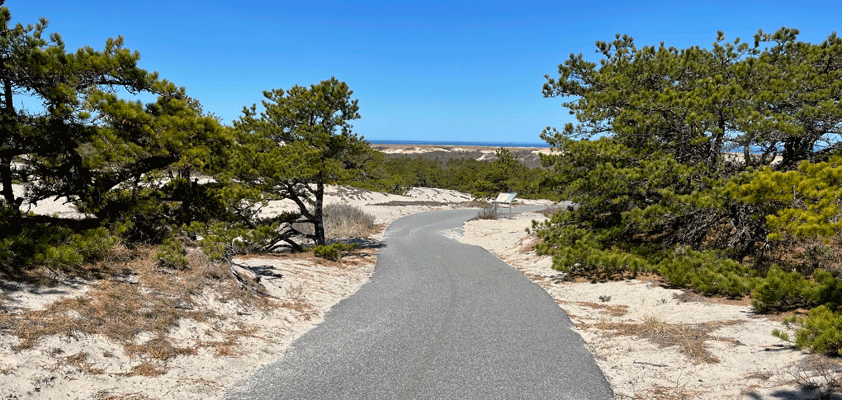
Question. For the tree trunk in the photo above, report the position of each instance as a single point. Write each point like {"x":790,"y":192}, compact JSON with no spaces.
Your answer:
{"x":7,"y":108}
{"x":6,"y":178}
{"x":318,"y":221}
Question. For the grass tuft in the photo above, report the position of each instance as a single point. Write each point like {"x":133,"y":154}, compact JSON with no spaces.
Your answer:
{"x":486,"y":211}
{"x":342,"y":221}
{"x":346,"y":221}
{"x":818,"y":371}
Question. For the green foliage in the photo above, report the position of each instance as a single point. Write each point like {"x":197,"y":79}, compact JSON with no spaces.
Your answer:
{"x":656,"y":190}
{"x":483,"y":179}
{"x":333,"y":252}
{"x":779,"y":94}
{"x":820,"y":331}
{"x":708,"y":273}
{"x":657,"y":178}
{"x":171,"y":254}
{"x":55,"y":247}
{"x":781,"y":290}
{"x":301,"y":142}
{"x":802,"y":205}
{"x":111,"y":157}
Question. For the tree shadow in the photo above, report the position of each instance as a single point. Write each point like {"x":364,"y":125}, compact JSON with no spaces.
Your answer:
{"x":804,"y":392}
{"x":362,"y":243}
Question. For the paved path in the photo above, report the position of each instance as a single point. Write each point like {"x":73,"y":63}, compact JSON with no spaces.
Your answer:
{"x":438,"y":320}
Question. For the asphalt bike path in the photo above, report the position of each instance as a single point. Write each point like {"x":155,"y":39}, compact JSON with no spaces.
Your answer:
{"x":439,"y":319}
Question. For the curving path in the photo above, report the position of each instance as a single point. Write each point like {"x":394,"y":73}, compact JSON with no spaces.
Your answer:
{"x":438,"y":320}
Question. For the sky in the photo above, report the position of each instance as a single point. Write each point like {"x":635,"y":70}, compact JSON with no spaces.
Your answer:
{"x":467,"y":71}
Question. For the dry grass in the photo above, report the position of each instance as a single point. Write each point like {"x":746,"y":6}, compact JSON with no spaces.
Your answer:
{"x":806,"y":255}
{"x":356,"y":257}
{"x":688,"y":338}
{"x":818,"y":371}
{"x":486,"y":211}
{"x":123,"y":396}
{"x":296,"y":301}
{"x":342,"y":220}
{"x":148,"y":369}
{"x":614,"y":310}
{"x":137,"y":296}
{"x":78,"y":361}
{"x":677,"y":392}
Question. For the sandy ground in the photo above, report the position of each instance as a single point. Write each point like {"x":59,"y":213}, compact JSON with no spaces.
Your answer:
{"x":750,"y":362}
{"x":628,"y":326}
{"x":83,"y":366}
{"x":422,"y":148}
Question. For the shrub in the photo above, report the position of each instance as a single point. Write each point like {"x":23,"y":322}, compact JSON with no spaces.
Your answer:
{"x":171,"y":254}
{"x":55,"y":247}
{"x":820,"y":331}
{"x":333,"y":252}
{"x":708,"y":273}
{"x":343,"y":220}
{"x":487,"y":211}
{"x":786,"y":290}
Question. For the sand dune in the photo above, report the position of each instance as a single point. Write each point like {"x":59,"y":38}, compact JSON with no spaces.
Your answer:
{"x":738,"y":358}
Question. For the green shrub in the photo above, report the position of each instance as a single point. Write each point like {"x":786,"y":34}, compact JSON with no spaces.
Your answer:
{"x":333,"y":252}
{"x":781,"y":290}
{"x":55,"y":247}
{"x":708,"y":273}
{"x":820,"y":331}
{"x":829,"y":289}
{"x":171,"y":254}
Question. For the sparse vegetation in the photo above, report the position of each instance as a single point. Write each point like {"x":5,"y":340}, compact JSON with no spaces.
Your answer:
{"x":167,"y":195}
{"x":333,"y":251}
{"x":818,"y":372}
{"x":347,"y":221}
{"x":487,"y":211}
{"x":688,"y":338}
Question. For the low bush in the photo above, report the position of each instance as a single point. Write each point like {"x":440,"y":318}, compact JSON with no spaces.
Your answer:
{"x":820,"y":331}
{"x":54,"y":247}
{"x":787,"y":290}
{"x":171,"y":254}
{"x":344,"y":220}
{"x":341,"y":220}
{"x":333,"y":252}
{"x":708,"y":273}
{"x":487,"y":211}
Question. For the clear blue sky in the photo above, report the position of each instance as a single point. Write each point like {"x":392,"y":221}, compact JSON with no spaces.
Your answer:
{"x":422,"y":70}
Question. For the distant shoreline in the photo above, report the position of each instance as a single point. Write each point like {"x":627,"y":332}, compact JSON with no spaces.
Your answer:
{"x":457,"y":143}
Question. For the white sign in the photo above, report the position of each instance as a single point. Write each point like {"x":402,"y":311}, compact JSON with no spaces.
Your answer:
{"x":507,"y":198}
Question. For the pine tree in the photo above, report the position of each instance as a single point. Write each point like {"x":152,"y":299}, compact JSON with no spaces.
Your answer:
{"x":301,"y":142}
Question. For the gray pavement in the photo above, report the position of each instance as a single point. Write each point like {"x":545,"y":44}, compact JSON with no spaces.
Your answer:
{"x":438,"y":320}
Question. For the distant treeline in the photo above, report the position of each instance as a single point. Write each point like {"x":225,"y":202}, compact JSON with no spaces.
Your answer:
{"x":458,"y":171}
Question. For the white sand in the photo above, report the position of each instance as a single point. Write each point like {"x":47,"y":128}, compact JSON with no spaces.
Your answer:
{"x":48,"y":370}
{"x":753,"y":364}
